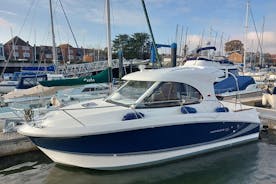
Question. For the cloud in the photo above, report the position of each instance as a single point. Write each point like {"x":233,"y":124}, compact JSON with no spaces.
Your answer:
{"x":120,"y":16}
{"x":269,"y":41}
{"x":7,"y":12}
{"x":4,"y":23}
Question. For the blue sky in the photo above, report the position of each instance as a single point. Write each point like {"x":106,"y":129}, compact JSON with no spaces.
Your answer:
{"x":87,"y":18}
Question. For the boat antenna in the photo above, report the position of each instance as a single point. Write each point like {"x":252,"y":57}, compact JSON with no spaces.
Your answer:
{"x":53,"y":36}
{"x":109,"y":53}
{"x":151,"y":33}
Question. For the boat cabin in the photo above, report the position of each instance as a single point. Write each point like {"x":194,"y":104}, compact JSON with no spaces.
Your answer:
{"x":165,"y":88}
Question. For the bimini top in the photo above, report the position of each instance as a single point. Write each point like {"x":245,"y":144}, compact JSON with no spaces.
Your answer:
{"x":201,"y":78}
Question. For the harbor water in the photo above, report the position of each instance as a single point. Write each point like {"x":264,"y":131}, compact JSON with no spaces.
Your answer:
{"x":250,"y":163}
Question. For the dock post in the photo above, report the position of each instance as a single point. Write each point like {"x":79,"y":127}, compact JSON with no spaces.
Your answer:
{"x":173,"y":54}
{"x":120,"y":56}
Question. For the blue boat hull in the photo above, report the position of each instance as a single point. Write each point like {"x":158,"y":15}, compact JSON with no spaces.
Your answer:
{"x":149,"y":140}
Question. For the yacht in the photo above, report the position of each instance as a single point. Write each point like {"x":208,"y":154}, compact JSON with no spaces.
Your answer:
{"x":155,"y":116}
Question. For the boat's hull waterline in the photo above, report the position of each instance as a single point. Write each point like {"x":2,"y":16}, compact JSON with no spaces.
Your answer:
{"x":142,"y":147}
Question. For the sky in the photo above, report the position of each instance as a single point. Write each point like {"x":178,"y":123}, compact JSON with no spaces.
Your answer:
{"x":216,"y":21}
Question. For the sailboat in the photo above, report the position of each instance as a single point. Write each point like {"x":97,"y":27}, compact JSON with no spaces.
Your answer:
{"x":101,"y":77}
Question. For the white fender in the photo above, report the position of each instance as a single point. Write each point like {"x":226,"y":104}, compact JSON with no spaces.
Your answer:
{"x":264,"y":99}
{"x":273,"y":101}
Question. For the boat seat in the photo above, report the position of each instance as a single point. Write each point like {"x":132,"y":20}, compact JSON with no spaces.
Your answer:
{"x":132,"y":115}
{"x":222,"y":109}
{"x":188,"y":110}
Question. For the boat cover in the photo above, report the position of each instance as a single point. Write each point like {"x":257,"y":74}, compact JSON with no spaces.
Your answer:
{"x":229,"y":84}
{"x":34,"y":91}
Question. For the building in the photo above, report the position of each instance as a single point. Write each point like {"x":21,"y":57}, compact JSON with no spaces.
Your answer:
{"x":235,"y":57}
{"x":70,"y":54}
{"x":273,"y":59}
{"x":17,"y":49}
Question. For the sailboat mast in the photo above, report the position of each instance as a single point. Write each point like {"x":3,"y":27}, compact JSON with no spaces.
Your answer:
{"x":262,"y":43}
{"x":109,"y":54}
{"x":53,"y":35}
{"x":245,"y":35}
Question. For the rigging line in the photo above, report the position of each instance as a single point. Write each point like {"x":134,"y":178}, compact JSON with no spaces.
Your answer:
{"x":20,"y":30}
{"x":67,"y":20}
{"x":256,"y":31}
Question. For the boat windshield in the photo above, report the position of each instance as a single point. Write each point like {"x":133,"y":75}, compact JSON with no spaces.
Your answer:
{"x":130,"y":92}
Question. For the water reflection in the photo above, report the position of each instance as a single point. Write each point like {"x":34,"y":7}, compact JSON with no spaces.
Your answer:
{"x":226,"y":166}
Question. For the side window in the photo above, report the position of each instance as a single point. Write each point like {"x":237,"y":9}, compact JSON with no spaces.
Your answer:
{"x":190,"y":95}
{"x":169,"y":94}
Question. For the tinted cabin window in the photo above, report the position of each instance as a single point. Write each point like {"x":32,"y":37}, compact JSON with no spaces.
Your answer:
{"x":169,"y":94}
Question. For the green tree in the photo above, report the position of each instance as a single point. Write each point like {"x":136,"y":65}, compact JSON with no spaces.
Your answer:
{"x":121,"y":42}
{"x":140,"y":44}
{"x":234,"y":46}
{"x":134,"y":46}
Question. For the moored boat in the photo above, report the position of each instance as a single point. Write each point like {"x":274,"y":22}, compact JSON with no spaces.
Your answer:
{"x":101,"y":77}
{"x":230,"y":83}
{"x":156,"y":116}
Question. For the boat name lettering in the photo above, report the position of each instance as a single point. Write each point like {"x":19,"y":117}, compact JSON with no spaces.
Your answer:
{"x":89,"y":80}
{"x":219,"y":130}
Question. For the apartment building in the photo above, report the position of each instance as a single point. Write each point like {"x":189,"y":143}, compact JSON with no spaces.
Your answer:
{"x":17,"y":49}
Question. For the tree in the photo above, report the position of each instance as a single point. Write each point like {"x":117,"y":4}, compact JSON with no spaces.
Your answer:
{"x":234,"y":46}
{"x":140,"y":44}
{"x":134,"y":46}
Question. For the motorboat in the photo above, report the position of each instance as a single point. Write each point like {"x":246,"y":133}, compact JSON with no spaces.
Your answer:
{"x":155,"y":116}
{"x":230,"y":84}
